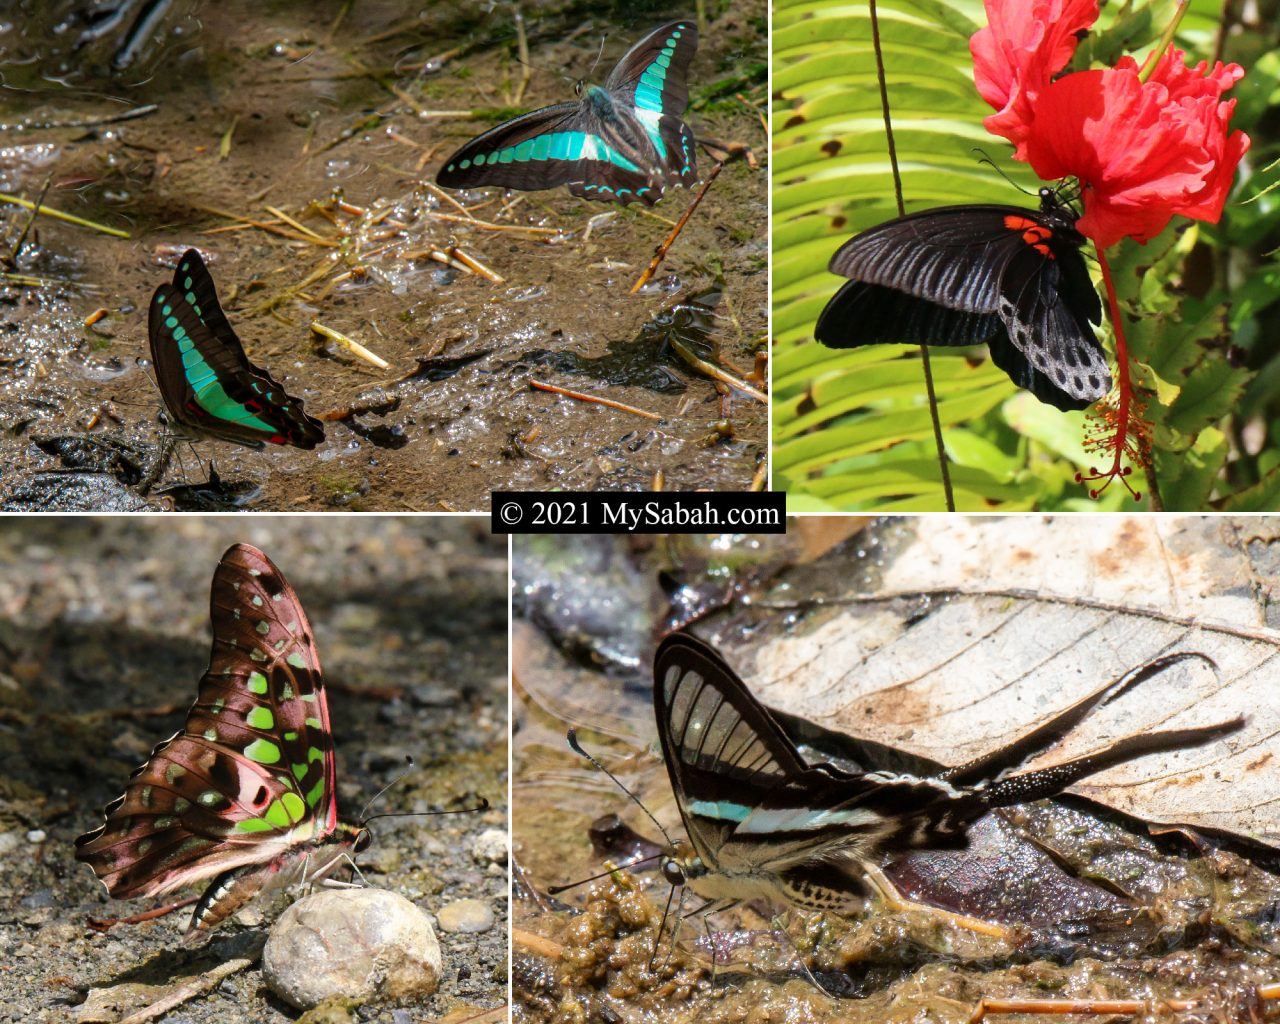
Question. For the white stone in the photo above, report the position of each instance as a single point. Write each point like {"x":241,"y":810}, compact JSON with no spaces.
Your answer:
{"x":365,"y":944}
{"x":490,"y":846}
{"x":465,"y":916}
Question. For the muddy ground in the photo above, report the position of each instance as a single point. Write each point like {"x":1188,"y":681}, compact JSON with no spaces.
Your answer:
{"x":103,"y":636}
{"x":1074,"y":900}
{"x":295,"y":106}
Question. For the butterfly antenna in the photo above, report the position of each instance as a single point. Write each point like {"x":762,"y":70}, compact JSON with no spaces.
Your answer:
{"x":556,"y":890}
{"x":378,"y":795}
{"x":576,"y":747}
{"x":599,"y":55}
{"x":483,"y":805}
{"x":999,"y":170}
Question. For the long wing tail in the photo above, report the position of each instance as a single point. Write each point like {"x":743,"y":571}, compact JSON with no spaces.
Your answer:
{"x":996,"y":765}
{"x":1046,"y":782}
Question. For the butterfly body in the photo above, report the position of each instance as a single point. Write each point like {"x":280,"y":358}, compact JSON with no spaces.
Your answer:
{"x":1014,"y":279}
{"x":245,"y":792}
{"x":765,"y":824}
{"x":312,"y":861}
{"x":623,"y":141}
{"x":209,"y":386}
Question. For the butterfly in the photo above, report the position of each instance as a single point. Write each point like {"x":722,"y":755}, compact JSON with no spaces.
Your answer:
{"x":207,"y":382}
{"x":764,"y":823}
{"x":963,"y":275}
{"x":624,"y":141}
{"x":245,"y":793}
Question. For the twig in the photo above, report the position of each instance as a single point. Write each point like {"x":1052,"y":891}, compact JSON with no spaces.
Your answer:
{"x":355,"y":346}
{"x":293,"y":223}
{"x":1084,"y":1006}
{"x":267,"y":226}
{"x":539,"y":944}
{"x":127,"y":115}
{"x":191,"y":989}
{"x":49,"y":211}
{"x":661,"y":254}
{"x":592,"y":398}
{"x":522,"y":51}
{"x":333,"y":28}
{"x":489,"y":226}
{"x":32,"y":281}
{"x":224,"y":144}
{"x":103,"y":924}
{"x":474,"y":265}
{"x":716,"y":372}
{"x":17,"y":246}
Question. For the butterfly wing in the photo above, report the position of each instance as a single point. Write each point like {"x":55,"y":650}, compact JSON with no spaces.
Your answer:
{"x":537,"y":150}
{"x":207,"y":382}
{"x":960,"y":275}
{"x":750,"y":805}
{"x":1047,"y":304}
{"x":252,"y":772}
{"x":623,"y":142}
{"x":654,"y":74}
{"x":652,"y":81}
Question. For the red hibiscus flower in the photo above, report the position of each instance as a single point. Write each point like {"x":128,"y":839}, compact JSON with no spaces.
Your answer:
{"x":1016,"y":56}
{"x":1142,"y":151}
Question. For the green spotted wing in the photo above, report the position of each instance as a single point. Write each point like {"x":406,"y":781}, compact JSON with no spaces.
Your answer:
{"x":250,"y":778}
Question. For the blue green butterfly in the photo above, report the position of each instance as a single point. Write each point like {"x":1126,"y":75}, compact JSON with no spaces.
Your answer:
{"x":208,"y":384}
{"x":623,"y":141}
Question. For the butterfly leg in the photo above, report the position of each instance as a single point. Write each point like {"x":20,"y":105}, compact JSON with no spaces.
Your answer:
{"x":666,"y":911}
{"x":780,"y":926}
{"x":879,"y":883}
{"x":333,"y":883}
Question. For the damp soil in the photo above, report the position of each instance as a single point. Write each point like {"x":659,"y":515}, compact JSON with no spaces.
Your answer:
{"x":337,"y":115}
{"x":103,"y":637}
{"x":1092,"y":906}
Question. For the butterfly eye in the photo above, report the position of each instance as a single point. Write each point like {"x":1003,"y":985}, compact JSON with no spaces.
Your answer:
{"x":364,"y":838}
{"x":672,"y":871}
{"x":577,"y":88}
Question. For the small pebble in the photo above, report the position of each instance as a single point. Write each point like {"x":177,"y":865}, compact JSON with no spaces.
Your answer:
{"x":490,"y":846}
{"x":356,"y":943}
{"x":465,"y":916}
{"x":36,"y":900}
{"x":36,"y":835}
{"x":432,"y":695}
{"x":401,"y":1017}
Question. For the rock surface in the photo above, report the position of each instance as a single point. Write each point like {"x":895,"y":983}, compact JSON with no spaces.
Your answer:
{"x":490,"y":846}
{"x":466,"y":916}
{"x":366,"y":944}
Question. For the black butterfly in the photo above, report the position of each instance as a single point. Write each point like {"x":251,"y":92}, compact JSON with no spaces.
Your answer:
{"x":623,"y":142}
{"x":764,"y":823}
{"x":207,"y":382}
{"x":964,"y":275}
